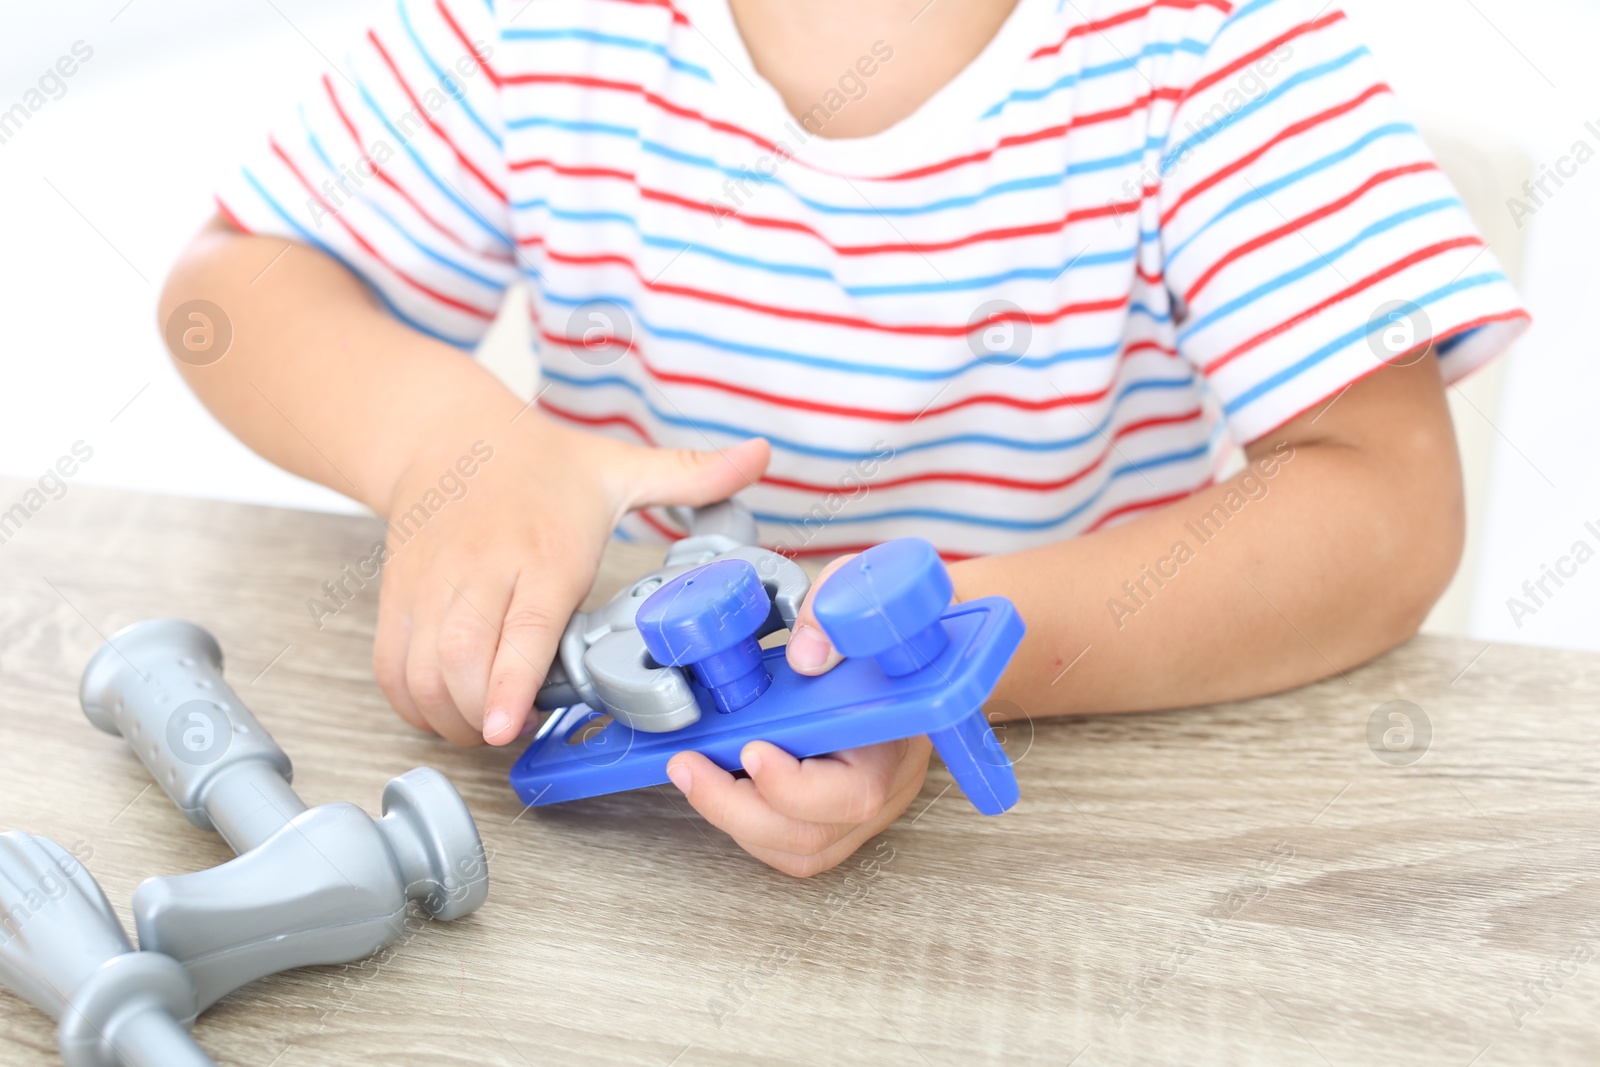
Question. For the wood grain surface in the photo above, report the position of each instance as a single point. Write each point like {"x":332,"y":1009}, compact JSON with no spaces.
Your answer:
{"x":1245,"y":883}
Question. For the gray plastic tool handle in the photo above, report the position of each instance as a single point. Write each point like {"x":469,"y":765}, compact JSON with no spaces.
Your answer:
{"x":159,"y":684}
{"x":330,"y":887}
{"x":728,"y":518}
{"x":63,"y":950}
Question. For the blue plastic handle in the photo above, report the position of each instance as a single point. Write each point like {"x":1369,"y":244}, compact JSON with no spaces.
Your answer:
{"x":914,"y":665}
{"x":885,"y":603}
{"x":854,"y":704}
{"x":706,"y":620}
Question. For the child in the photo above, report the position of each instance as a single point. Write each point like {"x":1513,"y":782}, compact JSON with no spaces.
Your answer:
{"x":1016,"y":276}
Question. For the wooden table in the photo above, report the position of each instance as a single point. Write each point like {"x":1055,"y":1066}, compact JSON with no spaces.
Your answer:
{"x":1241,"y":883}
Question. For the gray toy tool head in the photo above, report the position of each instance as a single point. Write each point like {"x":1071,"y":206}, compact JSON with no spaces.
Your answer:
{"x":603,"y":661}
{"x":63,"y":950}
{"x":325,"y":885}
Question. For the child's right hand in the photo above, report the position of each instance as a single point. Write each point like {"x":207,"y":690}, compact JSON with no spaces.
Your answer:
{"x":473,"y":604}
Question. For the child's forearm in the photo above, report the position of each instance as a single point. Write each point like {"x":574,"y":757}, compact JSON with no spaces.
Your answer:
{"x":320,"y":379}
{"x":1328,"y":550}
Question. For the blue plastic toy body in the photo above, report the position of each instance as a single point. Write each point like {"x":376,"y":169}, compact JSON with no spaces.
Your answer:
{"x":914,"y":666}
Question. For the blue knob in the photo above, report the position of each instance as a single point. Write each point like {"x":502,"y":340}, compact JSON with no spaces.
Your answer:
{"x":886,"y":603}
{"x":706,"y":620}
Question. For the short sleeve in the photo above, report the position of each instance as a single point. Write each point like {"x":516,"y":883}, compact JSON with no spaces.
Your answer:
{"x":394,"y":165}
{"x":1309,"y":237}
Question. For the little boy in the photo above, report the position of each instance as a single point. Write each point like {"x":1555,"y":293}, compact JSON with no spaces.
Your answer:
{"x":1017,"y":276}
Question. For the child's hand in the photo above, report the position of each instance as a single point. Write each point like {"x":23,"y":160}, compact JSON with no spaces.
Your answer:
{"x":474,"y":602}
{"x":805,"y":816}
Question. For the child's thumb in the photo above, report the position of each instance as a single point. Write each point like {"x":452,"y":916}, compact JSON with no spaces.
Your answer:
{"x":663,"y":476}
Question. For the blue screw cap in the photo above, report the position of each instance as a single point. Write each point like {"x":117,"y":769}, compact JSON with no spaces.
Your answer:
{"x":886,"y":603}
{"x":706,"y":620}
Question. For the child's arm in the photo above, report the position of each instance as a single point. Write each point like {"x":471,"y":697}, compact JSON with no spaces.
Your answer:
{"x":322,"y":380}
{"x":1328,"y":561}
{"x":1326,"y":551}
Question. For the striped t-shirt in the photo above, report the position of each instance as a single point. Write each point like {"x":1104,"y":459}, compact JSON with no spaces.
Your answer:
{"x":1127,"y":238}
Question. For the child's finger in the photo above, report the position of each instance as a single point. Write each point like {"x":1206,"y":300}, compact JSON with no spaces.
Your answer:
{"x":687,"y":476}
{"x":807,"y":865}
{"x":389,"y":664}
{"x":737,"y":807}
{"x":468,"y":639}
{"x":534,"y":620}
{"x":425,"y":684}
{"x":850,"y":787}
{"x":809,"y":650}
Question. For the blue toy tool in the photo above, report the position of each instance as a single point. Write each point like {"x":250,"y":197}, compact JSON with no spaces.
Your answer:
{"x":680,"y":668}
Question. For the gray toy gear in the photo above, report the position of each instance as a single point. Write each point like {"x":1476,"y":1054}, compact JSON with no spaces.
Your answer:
{"x":602,"y":660}
{"x":324,"y":885}
{"x":63,"y":950}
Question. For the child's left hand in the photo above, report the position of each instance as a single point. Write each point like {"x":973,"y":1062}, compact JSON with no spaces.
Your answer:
{"x":805,"y":816}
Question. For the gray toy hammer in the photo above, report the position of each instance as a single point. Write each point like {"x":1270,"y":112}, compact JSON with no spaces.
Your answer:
{"x":324,"y":885}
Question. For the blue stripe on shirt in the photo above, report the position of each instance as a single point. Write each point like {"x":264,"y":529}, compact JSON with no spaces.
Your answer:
{"x":1311,"y":266}
{"x":800,"y":270}
{"x":438,"y":257}
{"x":1068,"y":355}
{"x":1310,"y":74}
{"x":613,"y":40}
{"x":676,"y":417}
{"x":990,"y":521}
{"x":1360,"y":333}
{"x":1155,"y":48}
{"x":445,"y":188}
{"x":1261,"y":192}
{"x":452,"y":85}
{"x":311,"y":239}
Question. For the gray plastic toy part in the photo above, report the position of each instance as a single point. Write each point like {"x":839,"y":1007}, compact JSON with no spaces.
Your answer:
{"x":602,"y":661}
{"x":159,"y":684}
{"x":325,"y":885}
{"x":63,"y":950}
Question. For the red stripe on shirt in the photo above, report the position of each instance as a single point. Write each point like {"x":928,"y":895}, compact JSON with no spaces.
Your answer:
{"x":762,"y":222}
{"x":677,"y":16}
{"x":400,"y":191}
{"x":567,"y":171}
{"x":1344,"y":294}
{"x":597,"y":420}
{"x":1061,"y":400}
{"x":999,"y":481}
{"x":1257,"y":54}
{"x":461,"y":157}
{"x":1131,"y":15}
{"x":1084,"y":307}
{"x":1334,"y":394}
{"x":1288,"y":132}
{"x":366,"y":246}
{"x":589,"y":81}
{"x":966,"y":477}
{"x":658,"y":526}
{"x":1140,"y":104}
{"x":1307,"y":219}
{"x":233,"y":220}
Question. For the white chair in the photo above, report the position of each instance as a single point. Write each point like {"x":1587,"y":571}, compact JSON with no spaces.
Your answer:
{"x":1482,"y":169}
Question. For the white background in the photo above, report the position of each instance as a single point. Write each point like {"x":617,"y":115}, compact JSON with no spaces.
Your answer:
{"x":102,"y":187}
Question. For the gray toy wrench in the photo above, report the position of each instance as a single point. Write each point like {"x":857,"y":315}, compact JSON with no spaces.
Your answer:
{"x":602,"y":660}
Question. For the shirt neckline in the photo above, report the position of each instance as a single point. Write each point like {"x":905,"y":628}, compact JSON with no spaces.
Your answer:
{"x":931,"y":133}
